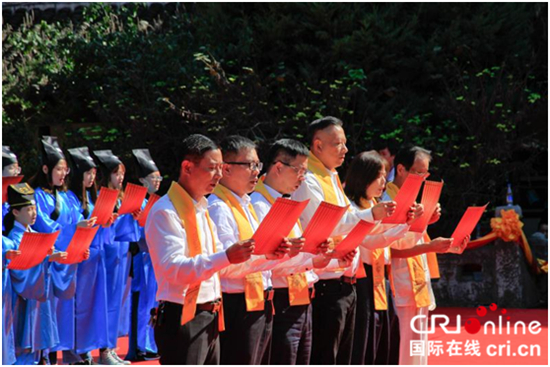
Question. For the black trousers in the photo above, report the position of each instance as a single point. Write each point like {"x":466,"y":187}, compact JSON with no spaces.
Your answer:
{"x":333,"y":322}
{"x":292,"y":336}
{"x":196,"y":342}
{"x":247,"y":335}
{"x":374,"y":334}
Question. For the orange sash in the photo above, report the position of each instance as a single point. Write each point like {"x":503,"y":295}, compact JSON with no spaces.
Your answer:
{"x":254,"y":285}
{"x":298,"y":292}
{"x":183,"y":203}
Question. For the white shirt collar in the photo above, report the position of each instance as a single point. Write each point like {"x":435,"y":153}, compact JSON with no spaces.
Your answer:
{"x":274,"y":193}
{"x":244,"y":201}
{"x":201,"y":205}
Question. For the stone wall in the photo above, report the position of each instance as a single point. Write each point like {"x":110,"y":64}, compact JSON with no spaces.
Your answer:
{"x":497,"y":272}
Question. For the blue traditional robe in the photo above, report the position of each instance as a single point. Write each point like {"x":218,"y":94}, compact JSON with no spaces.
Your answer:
{"x":63,"y":276}
{"x":34,"y":319}
{"x":117,"y":264}
{"x":8,"y":342}
{"x":91,"y":293}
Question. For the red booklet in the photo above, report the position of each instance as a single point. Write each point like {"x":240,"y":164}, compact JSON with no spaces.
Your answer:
{"x":466,"y":226}
{"x":133,"y":198}
{"x":143,"y":217}
{"x":81,"y":241}
{"x":322,"y":224}
{"x":277,"y":224}
{"x":405,"y":199}
{"x":430,"y":198}
{"x":104,"y":205}
{"x":6,"y":181}
{"x":34,"y":248}
{"x":354,"y":238}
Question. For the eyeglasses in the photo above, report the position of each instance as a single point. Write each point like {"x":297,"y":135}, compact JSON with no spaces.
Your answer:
{"x":253,"y":166}
{"x":155,"y":178}
{"x":421,"y":174}
{"x":300,"y":171}
{"x":15,"y":171}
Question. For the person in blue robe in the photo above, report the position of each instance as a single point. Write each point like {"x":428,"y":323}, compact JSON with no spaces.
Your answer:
{"x":57,"y":213}
{"x":142,"y":346}
{"x":91,"y":286}
{"x":10,"y":167}
{"x":117,"y":257}
{"x":34,"y":329}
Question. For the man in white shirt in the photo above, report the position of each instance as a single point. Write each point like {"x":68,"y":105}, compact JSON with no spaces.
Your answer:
{"x":178,"y":272}
{"x":293,"y":280}
{"x":247,"y":288}
{"x":335,"y":297}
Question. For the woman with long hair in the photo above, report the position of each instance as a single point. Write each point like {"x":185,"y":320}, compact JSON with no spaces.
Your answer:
{"x":365,"y":183}
{"x":117,"y":257}
{"x":55,"y":212}
{"x":91,"y":287}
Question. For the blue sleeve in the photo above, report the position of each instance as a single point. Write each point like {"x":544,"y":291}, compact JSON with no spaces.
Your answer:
{"x":63,"y":279}
{"x":126,"y":229}
{"x":44,"y":207}
{"x":31,"y":283}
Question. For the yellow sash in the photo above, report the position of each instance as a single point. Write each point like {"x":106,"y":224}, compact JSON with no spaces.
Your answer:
{"x":416,"y":268}
{"x":378,"y":273}
{"x":183,"y":203}
{"x":324,"y":178}
{"x":298,"y":293}
{"x":254,"y":285}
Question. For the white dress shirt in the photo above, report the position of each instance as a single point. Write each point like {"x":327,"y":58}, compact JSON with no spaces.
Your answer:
{"x":392,"y":233}
{"x":233,"y":277}
{"x":311,"y":189}
{"x":174,"y":269}
{"x":298,"y":264}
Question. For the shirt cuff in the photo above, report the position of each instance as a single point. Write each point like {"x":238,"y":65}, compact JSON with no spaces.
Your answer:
{"x":366,"y":215}
{"x":220,"y":260}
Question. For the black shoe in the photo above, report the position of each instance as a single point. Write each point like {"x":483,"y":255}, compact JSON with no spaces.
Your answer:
{"x":141,"y":357}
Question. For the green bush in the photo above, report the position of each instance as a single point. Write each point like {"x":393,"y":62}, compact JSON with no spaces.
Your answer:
{"x":468,"y":81}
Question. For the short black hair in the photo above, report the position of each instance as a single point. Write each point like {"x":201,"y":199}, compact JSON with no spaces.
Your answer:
{"x":233,"y":144}
{"x":284,"y":150}
{"x":195,"y":146}
{"x":363,"y":170}
{"x":321,"y":124}
{"x":406,"y":156}
{"x":390,"y":144}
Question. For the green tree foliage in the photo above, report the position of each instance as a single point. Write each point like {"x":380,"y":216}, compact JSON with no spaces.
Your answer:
{"x":468,"y":81}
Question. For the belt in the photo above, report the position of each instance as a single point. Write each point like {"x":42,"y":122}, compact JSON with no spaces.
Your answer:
{"x":212,"y":307}
{"x":349,"y":280}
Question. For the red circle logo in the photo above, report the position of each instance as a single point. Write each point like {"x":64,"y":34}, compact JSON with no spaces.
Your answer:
{"x":481,"y":311}
{"x":472,"y":325}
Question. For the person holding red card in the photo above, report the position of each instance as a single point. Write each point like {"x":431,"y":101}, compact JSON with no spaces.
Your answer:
{"x":187,"y":256}
{"x":117,"y":256}
{"x":36,"y":331}
{"x":293,"y":280}
{"x":55,"y":212}
{"x":142,"y":346}
{"x":412,"y":289}
{"x":247,"y":288}
{"x":335,"y":297}
{"x":371,"y":340}
{"x":91,"y":287}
